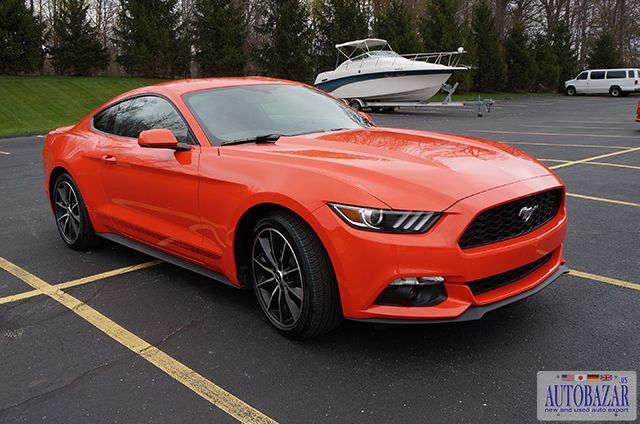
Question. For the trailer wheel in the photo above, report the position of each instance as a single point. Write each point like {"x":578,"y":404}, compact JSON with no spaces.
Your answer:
{"x":356,"y":104}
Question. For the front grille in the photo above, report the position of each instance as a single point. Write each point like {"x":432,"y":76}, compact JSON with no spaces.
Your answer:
{"x":490,"y":283}
{"x":509,"y":220}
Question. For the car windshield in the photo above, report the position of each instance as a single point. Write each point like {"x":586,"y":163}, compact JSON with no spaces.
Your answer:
{"x":253,"y":111}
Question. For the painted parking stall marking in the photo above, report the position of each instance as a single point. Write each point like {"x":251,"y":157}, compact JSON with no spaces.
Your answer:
{"x":208,"y":390}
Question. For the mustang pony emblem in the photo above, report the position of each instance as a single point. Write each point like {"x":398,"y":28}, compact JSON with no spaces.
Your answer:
{"x":527,"y":212}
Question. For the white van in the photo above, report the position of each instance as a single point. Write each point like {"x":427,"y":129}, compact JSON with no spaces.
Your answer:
{"x":616,"y":82}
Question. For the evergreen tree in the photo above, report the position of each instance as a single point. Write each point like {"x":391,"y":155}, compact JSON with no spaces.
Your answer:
{"x":76,"y":47}
{"x":490,"y":71}
{"x":604,"y":53}
{"x":151,"y":39}
{"x":219,"y":37}
{"x":564,"y":53}
{"x":548,"y":73}
{"x":20,"y":38}
{"x":439,"y":26}
{"x":396,"y":25}
{"x":286,"y":40}
{"x":335,"y":22}
{"x":521,"y":65}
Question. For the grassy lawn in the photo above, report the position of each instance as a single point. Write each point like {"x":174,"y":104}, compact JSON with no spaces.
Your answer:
{"x":39,"y":104}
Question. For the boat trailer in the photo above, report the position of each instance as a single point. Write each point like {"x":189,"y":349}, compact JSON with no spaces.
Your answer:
{"x":381,"y":106}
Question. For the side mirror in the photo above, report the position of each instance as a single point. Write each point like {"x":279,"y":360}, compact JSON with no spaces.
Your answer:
{"x":161,"y":138}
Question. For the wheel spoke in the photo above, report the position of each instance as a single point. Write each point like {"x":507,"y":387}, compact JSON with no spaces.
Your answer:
{"x":292,"y":307}
{"x":263,"y":266}
{"x":266,"y":248}
{"x":296,"y":291}
{"x":267,"y":281}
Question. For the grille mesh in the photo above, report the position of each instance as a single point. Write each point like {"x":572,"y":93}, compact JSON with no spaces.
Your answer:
{"x":490,"y":283}
{"x":508,"y":221}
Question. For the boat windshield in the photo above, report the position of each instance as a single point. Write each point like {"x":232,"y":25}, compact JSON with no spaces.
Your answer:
{"x":245,"y":112}
{"x":383,"y":53}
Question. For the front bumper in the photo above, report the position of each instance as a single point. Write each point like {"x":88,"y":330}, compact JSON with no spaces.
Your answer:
{"x":366,"y":263}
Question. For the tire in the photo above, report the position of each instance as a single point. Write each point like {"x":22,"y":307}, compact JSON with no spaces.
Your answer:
{"x":570,"y":91}
{"x":296,"y":287}
{"x":355,"y":104}
{"x":72,"y":218}
{"x":615,"y":91}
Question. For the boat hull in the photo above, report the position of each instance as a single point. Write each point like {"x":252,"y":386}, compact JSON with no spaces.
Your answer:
{"x":401,"y":86}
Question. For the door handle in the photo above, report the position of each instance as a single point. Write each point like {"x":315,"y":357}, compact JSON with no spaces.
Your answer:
{"x":108,"y":158}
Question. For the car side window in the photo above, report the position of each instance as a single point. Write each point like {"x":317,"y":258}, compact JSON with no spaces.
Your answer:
{"x":130,"y":117}
{"x":582,"y":76}
{"x":615,"y":74}
{"x":597,"y":75}
{"x":105,"y":120}
{"x":632,"y":74}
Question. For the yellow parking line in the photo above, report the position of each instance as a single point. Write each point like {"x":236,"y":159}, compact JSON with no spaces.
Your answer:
{"x":80,"y":281}
{"x":208,"y":390}
{"x":616,"y":165}
{"x":593,"y":158}
{"x":602,"y":199}
{"x":555,"y":134}
{"x":603,"y":279}
{"x":588,"y":146}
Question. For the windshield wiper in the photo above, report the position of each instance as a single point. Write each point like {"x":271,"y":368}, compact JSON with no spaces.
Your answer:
{"x":267,"y":138}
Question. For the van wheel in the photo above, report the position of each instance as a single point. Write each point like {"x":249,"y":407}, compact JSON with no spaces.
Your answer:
{"x":615,"y":91}
{"x":570,"y":91}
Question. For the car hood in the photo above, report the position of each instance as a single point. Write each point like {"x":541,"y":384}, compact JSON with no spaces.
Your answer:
{"x":404,"y":169}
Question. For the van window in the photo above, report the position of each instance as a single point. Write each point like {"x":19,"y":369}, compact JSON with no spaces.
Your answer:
{"x":583,"y":76}
{"x":632,"y":73}
{"x":615,"y":74}
{"x":597,"y":75}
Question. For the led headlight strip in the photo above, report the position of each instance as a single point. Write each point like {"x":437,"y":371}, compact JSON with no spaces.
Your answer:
{"x":386,"y":220}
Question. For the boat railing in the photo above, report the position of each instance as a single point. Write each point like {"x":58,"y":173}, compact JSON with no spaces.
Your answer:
{"x":451,"y":59}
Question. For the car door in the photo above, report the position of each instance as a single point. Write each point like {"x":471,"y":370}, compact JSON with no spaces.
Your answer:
{"x":152,"y":192}
{"x":581,"y":82}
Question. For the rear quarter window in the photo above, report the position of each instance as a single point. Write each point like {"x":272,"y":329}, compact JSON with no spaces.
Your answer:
{"x":597,"y":75}
{"x":105,"y":121}
{"x":615,"y":74}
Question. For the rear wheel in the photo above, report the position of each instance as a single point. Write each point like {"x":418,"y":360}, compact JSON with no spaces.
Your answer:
{"x":71,"y":214}
{"x":615,"y":91}
{"x":570,"y":91}
{"x":293,"y":278}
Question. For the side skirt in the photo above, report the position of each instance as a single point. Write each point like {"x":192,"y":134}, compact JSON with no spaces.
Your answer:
{"x":167,"y":258}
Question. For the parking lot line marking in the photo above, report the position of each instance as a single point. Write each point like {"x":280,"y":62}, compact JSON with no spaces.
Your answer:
{"x":572,"y":127}
{"x":554,"y":134}
{"x":593,"y":122}
{"x":4,"y":153}
{"x":603,"y":279}
{"x":593,"y":158}
{"x":601,"y":199}
{"x":206,"y":389}
{"x":80,"y":281}
{"x":617,"y":165}
{"x":592,"y":146}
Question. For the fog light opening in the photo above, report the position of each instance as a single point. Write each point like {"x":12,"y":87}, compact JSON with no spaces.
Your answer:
{"x":413,"y":291}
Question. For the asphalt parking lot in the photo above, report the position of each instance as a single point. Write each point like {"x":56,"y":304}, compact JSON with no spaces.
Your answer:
{"x":148,"y":342}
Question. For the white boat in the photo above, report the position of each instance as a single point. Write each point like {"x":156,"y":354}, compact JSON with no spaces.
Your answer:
{"x":372,"y":71}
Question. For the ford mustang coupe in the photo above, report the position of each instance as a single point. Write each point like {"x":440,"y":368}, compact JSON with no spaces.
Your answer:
{"x":277,"y":187}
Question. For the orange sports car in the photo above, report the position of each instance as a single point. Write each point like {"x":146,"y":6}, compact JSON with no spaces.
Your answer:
{"x":275,"y":186}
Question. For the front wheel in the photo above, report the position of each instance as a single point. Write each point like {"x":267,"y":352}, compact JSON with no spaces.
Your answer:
{"x":293,"y":278}
{"x":570,"y":91}
{"x":71,"y":214}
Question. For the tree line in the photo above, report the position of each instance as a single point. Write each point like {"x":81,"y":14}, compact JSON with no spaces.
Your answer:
{"x":518,"y":45}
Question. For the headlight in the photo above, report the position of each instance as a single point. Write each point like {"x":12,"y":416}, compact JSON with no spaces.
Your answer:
{"x":386,"y":220}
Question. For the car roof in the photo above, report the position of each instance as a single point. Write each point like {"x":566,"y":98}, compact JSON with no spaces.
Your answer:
{"x":180,"y":87}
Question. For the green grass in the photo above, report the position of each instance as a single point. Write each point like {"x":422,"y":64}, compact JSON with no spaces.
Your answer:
{"x":31,"y":105}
